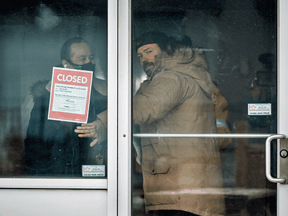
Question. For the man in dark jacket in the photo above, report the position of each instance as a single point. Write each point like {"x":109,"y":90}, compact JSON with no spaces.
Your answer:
{"x":52,"y":147}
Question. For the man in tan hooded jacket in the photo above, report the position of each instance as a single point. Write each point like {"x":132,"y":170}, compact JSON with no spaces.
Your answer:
{"x":181,"y":176}
{"x":178,"y":173}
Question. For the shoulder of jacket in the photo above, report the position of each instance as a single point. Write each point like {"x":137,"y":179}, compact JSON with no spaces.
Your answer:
{"x":173,"y":75}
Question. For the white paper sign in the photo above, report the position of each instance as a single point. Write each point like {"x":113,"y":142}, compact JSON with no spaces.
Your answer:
{"x":93,"y":170}
{"x":259,"y":109}
{"x":70,"y":99}
{"x":70,"y":95}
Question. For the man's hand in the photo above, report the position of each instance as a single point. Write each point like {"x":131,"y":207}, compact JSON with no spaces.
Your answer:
{"x":95,"y":130}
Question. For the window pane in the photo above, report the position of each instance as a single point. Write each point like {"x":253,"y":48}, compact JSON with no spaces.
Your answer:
{"x":35,"y":37}
{"x":203,"y":67}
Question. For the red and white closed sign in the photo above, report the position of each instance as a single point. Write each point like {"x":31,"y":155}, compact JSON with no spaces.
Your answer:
{"x":70,"y":95}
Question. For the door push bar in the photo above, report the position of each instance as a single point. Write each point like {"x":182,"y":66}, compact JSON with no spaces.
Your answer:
{"x":283,"y":152}
{"x":149,"y":135}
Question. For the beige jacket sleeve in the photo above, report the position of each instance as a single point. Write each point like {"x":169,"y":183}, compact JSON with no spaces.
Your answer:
{"x":155,"y":100}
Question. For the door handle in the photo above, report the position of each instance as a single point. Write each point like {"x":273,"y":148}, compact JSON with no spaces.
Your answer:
{"x":268,"y":146}
{"x":268,"y":159}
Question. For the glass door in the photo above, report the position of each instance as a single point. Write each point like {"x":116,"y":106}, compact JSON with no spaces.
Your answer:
{"x":204,"y":101}
{"x":56,"y":155}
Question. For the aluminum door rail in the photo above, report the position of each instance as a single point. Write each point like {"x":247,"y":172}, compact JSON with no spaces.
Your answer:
{"x":149,"y":135}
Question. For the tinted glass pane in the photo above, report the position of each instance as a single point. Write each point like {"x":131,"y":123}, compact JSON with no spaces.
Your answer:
{"x":33,"y":36}
{"x":203,"y":67}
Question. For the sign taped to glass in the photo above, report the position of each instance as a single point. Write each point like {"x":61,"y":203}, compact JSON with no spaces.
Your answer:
{"x":70,"y":95}
{"x":259,"y":109}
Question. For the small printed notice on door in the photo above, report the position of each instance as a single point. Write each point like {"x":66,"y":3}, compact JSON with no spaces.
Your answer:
{"x":70,"y":95}
{"x":259,"y":109}
{"x":93,"y":170}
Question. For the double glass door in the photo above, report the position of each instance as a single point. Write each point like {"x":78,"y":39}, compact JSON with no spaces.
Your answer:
{"x":186,"y":126}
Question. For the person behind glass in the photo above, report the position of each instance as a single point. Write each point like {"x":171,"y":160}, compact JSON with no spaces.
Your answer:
{"x":181,"y":176}
{"x":52,"y":147}
{"x":222,"y":114}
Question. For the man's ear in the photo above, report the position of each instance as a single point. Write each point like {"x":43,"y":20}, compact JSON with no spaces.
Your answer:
{"x":65,"y":64}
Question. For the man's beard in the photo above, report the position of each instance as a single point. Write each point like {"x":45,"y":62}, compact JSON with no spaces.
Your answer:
{"x":148,"y":68}
{"x":152,"y":68}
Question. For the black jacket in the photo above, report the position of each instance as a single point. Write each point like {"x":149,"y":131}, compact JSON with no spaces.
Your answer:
{"x":52,"y":147}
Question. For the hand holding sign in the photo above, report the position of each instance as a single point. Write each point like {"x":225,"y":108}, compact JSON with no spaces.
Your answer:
{"x":95,"y":130}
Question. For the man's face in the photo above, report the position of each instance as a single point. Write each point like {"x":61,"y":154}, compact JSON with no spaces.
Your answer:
{"x":81,"y":54}
{"x":148,"y":57}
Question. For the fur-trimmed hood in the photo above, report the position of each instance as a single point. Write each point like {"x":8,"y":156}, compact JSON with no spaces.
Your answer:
{"x":38,"y":89}
{"x":192,"y":63}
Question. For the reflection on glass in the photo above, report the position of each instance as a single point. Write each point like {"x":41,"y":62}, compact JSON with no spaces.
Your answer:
{"x":50,"y":36}
{"x":192,"y":64}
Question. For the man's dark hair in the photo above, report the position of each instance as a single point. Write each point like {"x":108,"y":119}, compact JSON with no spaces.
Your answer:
{"x":154,"y":37}
{"x":65,"y":53}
